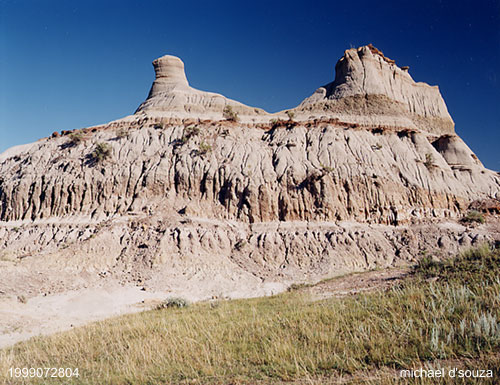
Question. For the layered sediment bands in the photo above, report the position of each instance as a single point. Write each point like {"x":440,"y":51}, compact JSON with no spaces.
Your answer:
{"x":171,"y":95}
{"x":200,"y":192}
{"x":226,"y":171}
{"x":392,"y":95}
{"x":141,"y":245}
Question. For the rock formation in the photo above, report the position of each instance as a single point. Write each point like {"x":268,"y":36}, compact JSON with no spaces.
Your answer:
{"x":368,"y":173}
{"x":381,"y":92}
{"x":171,"y":96}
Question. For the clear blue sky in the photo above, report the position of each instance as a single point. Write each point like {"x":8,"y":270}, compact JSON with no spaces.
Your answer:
{"x":71,"y":64}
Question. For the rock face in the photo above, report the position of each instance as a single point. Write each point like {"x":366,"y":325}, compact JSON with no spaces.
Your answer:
{"x":171,"y":96}
{"x":361,"y":178}
{"x":221,"y":170}
{"x":386,"y":93}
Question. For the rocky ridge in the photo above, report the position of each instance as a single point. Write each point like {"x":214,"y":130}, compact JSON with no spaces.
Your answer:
{"x":370,"y":88}
{"x":368,"y":172}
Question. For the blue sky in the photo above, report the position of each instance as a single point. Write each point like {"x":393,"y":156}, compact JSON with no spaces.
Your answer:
{"x":71,"y":64}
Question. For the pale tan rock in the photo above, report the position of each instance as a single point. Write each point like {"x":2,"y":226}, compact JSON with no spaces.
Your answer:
{"x":456,"y":152}
{"x":190,"y":201}
{"x":171,"y":96}
{"x":391,"y":96}
{"x":302,"y":173}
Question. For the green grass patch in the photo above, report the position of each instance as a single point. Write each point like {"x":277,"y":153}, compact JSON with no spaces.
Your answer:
{"x":444,"y":311}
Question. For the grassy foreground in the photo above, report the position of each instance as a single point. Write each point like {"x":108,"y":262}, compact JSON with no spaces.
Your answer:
{"x":445,"y":314}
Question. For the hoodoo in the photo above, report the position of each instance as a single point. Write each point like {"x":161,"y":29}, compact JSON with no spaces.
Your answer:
{"x":171,"y":96}
{"x":169,"y":70}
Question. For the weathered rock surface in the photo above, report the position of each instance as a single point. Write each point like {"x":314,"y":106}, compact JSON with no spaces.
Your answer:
{"x":317,"y":172}
{"x":370,"y":88}
{"x":171,"y":96}
{"x":175,"y":194}
{"x":211,"y":257}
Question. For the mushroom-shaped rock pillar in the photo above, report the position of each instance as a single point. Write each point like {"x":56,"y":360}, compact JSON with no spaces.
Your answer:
{"x":171,"y":96}
{"x":170,"y":69}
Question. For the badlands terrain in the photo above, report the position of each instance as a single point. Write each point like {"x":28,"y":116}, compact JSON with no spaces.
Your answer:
{"x":200,"y":196}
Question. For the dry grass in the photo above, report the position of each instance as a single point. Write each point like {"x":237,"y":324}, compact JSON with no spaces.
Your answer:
{"x":473,"y":216}
{"x":446,"y":312}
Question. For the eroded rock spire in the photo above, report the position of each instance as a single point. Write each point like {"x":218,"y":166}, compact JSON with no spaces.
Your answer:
{"x":172,"y":96}
{"x":170,"y":69}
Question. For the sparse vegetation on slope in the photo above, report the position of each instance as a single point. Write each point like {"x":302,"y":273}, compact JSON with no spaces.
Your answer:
{"x":429,"y":161}
{"x":204,"y":148}
{"x":230,"y":115}
{"x":101,"y":152}
{"x":122,"y":133}
{"x":445,"y":311}
{"x":75,"y":138}
{"x":473,"y":216}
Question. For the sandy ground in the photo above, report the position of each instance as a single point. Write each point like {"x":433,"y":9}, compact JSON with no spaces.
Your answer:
{"x":357,"y":283}
{"x":79,"y":299}
{"x":50,"y":313}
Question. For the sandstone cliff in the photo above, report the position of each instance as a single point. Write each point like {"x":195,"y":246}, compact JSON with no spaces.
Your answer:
{"x":358,"y":178}
{"x":370,"y":88}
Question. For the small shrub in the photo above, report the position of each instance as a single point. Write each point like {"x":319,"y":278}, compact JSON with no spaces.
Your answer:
{"x":429,"y":161}
{"x":75,"y":138}
{"x":326,"y":168}
{"x":204,"y":148}
{"x":276,"y":123}
{"x":296,"y":286}
{"x":290,"y":115}
{"x":122,"y":133}
{"x":473,"y":216}
{"x":101,"y":152}
{"x":240,"y":244}
{"x":229,"y":114}
{"x":191,"y":131}
{"x":429,"y":267}
{"x":22,"y":299}
{"x":376,"y":146}
{"x":174,"y":302}
{"x":486,"y":327}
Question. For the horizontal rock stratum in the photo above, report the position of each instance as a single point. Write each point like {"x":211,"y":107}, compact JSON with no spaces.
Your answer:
{"x":194,"y":185}
{"x":374,"y":89}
